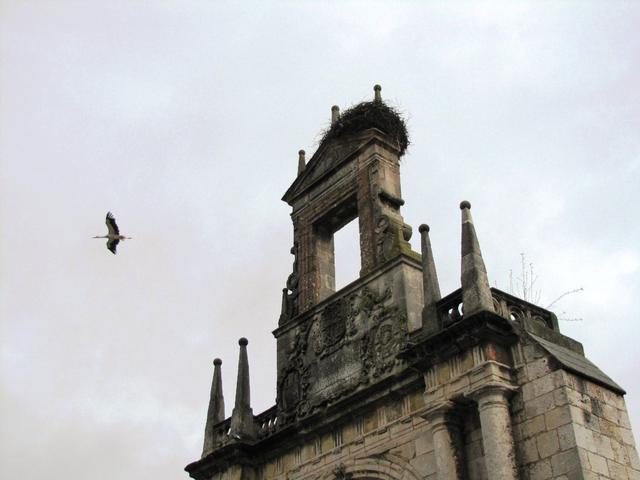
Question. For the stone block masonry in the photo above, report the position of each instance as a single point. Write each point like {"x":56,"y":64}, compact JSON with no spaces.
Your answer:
{"x":566,"y":426}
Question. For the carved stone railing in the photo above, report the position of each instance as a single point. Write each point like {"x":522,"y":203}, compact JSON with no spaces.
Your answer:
{"x":221,"y":433}
{"x":519,"y":310}
{"x":267,"y":422}
{"x":451,"y":310}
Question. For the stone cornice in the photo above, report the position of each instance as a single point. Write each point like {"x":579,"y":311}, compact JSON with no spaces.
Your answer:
{"x":423,"y":351}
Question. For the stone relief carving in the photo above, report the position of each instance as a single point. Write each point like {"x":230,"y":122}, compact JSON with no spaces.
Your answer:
{"x":340,"y":472}
{"x":316,"y":339}
{"x":294,"y":381}
{"x":387,"y":343}
{"x":390,"y":236}
{"x":384,"y":238}
{"x":333,"y":323}
{"x":290,"y":293}
{"x":365,"y":321}
{"x":382,"y":343}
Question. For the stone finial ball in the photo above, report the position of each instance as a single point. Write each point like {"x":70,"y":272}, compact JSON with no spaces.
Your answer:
{"x":423,"y":228}
{"x":335,"y":107}
{"x":243,"y":342}
{"x":301,"y":152}
{"x":217,"y":362}
{"x":377,"y":88}
{"x":464,"y":204}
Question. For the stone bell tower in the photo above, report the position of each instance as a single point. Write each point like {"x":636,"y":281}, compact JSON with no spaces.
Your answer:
{"x":329,"y":342}
{"x":354,"y":174}
{"x":387,"y":379}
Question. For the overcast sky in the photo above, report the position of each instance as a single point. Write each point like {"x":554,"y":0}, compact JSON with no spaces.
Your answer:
{"x":184,"y":119}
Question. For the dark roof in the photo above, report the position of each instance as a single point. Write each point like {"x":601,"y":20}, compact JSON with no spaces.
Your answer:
{"x":577,"y":363}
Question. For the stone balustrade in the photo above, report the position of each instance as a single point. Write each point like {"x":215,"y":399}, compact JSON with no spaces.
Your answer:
{"x":267,"y":422}
{"x":451,"y":309}
{"x":266,"y":425}
{"x":221,"y":433}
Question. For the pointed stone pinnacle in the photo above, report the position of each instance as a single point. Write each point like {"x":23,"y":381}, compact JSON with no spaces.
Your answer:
{"x":377,"y":96}
{"x":215,"y":414}
{"x":476,"y":293}
{"x":335,"y":114}
{"x":284,"y":310}
{"x":429,"y":282}
{"x":242,"y":425}
{"x":301,"y":161}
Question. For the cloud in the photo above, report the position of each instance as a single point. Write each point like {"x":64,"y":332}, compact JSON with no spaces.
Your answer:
{"x":185,"y":120}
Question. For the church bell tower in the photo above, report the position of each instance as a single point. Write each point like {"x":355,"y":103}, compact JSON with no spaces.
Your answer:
{"x":388,"y":379}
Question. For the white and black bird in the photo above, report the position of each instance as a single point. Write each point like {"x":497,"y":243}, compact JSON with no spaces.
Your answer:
{"x":113,"y":237}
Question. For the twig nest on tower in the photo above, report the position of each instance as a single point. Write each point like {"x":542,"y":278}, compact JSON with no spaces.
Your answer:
{"x":370,"y":115}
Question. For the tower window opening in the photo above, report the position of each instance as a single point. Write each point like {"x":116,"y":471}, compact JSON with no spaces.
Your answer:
{"x":347,"y":254}
{"x":337,"y":225}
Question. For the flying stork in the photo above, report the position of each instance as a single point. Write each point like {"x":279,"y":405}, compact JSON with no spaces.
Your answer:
{"x":113,"y":237}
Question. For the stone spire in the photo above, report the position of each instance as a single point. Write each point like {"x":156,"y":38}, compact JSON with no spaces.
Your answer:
{"x":301,"y":161}
{"x":215,"y":414}
{"x":429,"y":282}
{"x":377,"y":96}
{"x":476,"y":294}
{"x":335,"y":114}
{"x":242,"y":426}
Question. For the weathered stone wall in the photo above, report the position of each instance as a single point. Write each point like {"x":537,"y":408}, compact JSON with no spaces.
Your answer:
{"x":564,"y":426}
{"x":354,"y":177}
{"x":458,"y":424}
{"x":348,"y":342}
{"x":601,"y":429}
{"x":567,"y":427}
{"x":391,"y":439}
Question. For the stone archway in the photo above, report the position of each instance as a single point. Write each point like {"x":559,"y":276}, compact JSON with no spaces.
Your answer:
{"x":375,"y":467}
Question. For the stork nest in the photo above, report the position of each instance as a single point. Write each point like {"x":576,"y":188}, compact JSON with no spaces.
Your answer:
{"x":370,"y":115}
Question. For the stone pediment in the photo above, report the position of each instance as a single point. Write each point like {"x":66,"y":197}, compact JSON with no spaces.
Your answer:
{"x":330,"y":156}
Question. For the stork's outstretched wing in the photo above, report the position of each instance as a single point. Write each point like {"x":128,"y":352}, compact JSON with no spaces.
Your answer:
{"x":112,"y":244}
{"x":111,"y":225}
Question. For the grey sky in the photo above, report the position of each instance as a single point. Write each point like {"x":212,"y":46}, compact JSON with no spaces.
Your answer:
{"x":185,"y":118}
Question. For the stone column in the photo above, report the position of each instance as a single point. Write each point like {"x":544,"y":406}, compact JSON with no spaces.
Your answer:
{"x":446,"y":442}
{"x":497,"y":436}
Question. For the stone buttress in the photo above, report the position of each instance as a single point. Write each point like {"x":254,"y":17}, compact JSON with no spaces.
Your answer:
{"x":386,"y":378}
